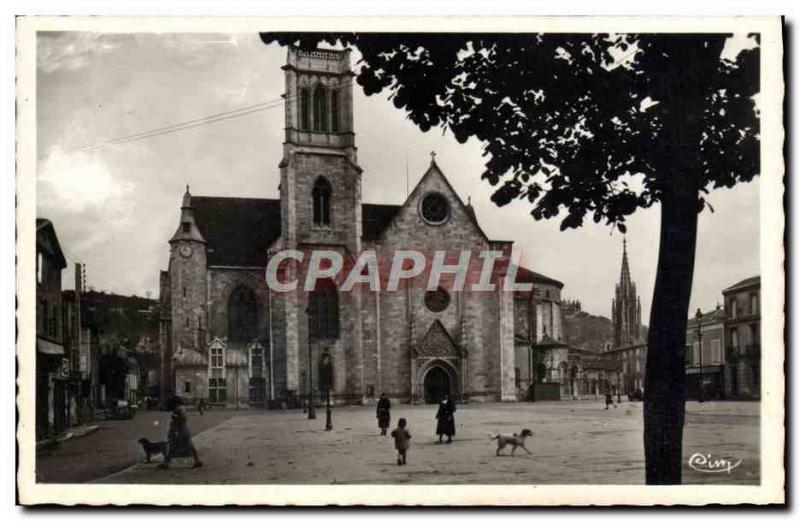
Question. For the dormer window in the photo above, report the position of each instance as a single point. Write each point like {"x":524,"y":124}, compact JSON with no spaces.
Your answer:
{"x":321,"y":195}
{"x":187,"y":227}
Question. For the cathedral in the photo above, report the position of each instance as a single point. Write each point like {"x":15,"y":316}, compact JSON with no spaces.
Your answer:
{"x":626,"y":308}
{"x":630,"y":343}
{"x":227,"y":337}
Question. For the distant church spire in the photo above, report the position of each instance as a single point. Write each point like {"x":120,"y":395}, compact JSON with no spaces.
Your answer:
{"x":625,"y":274}
{"x":626,"y":310}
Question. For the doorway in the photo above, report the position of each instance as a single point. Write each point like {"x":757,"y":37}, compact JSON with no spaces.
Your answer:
{"x":437,"y":384}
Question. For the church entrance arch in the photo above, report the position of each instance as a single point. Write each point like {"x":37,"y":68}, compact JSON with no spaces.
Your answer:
{"x":438,"y":381}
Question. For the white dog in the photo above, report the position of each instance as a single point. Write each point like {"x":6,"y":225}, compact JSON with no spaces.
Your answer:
{"x":517,"y":440}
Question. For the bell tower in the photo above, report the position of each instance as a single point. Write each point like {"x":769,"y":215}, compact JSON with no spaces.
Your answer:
{"x":320,"y":191}
{"x":319,"y":99}
{"x":187,"y":279}
{"x":320,"y":177}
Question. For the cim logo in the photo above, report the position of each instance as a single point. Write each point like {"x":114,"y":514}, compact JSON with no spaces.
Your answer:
{"x":711,"y":464}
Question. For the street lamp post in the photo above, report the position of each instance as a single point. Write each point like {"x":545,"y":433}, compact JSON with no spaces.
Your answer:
{"x":325,"y":379}
{"x":328,"y":422}
{"x":698,"y":316}
{"x":312,"y":415}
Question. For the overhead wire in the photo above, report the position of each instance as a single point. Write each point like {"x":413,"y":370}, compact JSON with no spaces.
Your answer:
{"x":197,"y":122}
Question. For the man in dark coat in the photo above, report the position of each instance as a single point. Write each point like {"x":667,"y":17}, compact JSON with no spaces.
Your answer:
{"x":445,"y":423}
{"x":382,"y":413}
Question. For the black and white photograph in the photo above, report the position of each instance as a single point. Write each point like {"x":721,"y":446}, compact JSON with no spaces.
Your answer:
{"x":433,"y":262}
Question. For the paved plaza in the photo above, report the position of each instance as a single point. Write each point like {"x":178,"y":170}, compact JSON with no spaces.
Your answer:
{"x":574,"y":442}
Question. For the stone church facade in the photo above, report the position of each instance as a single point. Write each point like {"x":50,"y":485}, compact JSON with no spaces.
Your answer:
{"x":230,"y":339}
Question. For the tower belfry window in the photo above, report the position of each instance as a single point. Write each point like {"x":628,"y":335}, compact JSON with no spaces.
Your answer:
{"x":321,"y":195}
{"x":305,"y":112}
{"x":320,"y":110}
{"x":334,"y":111}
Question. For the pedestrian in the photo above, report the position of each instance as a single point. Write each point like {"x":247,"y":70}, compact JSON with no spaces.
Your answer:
{"x":179,"y":439}
{"x":445,"y":423}
{"x":402,"y":437}
{"x":382,"y":413}
{"x":610,"y":400}
{"x":201,"y":406}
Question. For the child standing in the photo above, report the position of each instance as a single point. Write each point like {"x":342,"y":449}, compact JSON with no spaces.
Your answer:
{"x":401,"y":437}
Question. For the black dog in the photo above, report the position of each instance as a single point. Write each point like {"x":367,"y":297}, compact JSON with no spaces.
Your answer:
{"x":150,"y":448}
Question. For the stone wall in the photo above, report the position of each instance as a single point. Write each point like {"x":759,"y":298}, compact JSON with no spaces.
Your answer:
{"x":187,"y":278}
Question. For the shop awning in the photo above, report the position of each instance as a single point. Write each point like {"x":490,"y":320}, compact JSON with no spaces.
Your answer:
{"x":49,"y":348}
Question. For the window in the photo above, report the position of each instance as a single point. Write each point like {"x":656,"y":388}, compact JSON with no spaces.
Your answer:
{"x":321,"y":195}
{"x":716,"y":351}
{"x":435,"y":208}
{"x":735,"y":339}
{"x":334,"y":111}
{"x":256,"y":362}
{"x":323,"y":310}
{"x":184,"y":291}
{"x":305,"y":112}
{"x":187,"y":387}
{"x":242,"y":315}
{"x":217,"y":390}
{"x":754,"y":304}
{"x":217,"y":357}
{"x":689,"y":355}
{"x":437,"y":300}
{"x":187,"y":227}
{"x":39,"y":268}
{"x":517,"y":377}
{"x":320,"y":110}
{"x":733,"y":309}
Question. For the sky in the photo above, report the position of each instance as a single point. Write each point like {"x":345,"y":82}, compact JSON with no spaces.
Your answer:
{"x":115,"y":206}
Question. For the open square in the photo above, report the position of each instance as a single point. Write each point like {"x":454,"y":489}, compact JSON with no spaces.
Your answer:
{"x":573,"y":443}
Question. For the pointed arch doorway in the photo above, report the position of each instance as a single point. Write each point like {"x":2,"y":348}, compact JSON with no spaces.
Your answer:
{"x":437,"y":384}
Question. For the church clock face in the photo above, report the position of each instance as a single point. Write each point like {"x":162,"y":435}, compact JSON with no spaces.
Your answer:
{"x":434,"y":208}
{"x":185,"y":250}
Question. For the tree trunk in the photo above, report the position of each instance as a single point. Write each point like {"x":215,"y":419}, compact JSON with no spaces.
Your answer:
{"x":665,"y":392}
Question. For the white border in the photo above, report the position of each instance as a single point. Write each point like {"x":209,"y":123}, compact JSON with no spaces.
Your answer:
{"x":772,"y":223}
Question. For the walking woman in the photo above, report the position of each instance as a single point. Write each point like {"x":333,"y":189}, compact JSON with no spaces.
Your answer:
{"x":180,"y":440}
{"x":445,"y":422}
{"x":383,"y":413}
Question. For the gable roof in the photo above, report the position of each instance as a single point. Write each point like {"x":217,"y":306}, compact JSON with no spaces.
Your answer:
{"x":707,"y":318}
{"x":751,"y":281}
{"x":45,"y":228}
{"x":375,"y":219}
{"x":238,"y":231}
{"x":526,"y":275}
{"x":434,"y":168}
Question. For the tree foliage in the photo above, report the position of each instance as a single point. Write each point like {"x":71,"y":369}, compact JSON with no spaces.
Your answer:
{"x":577,"y":125}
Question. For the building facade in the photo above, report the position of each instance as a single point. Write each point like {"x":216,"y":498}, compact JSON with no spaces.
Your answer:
{"x":52,"y":361}
{"x":229,"y":338}
{"x":705,"y":356}
{"x":742,"y":329}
